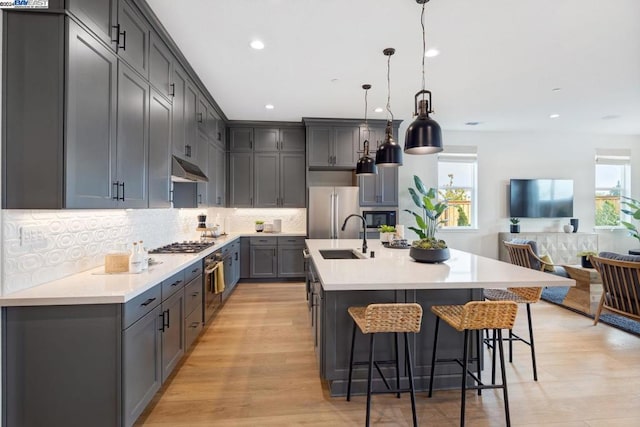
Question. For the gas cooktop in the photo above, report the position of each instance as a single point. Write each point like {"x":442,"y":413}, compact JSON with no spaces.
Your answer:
{"x":185,"y":247}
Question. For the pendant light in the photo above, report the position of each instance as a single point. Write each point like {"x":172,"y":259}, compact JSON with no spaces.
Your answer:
{"x":389,"y":154}
{"x":366,"y":165}
{"x":424,"y":135}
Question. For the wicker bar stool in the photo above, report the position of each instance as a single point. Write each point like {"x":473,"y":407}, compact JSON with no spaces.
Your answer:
{"x":475,"y":316}
{"x":384,"y":318}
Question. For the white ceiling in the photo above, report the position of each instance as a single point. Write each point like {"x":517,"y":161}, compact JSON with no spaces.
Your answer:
{"x":499,"y":61}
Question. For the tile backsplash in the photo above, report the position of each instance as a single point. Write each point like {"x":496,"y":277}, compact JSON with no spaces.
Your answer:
{"x":58,"y":243}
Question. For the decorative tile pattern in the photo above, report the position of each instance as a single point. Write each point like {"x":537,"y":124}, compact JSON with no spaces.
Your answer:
{"x":77,"y":240}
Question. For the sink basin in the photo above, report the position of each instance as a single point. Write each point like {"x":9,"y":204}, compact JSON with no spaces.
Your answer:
{"x":341,"y":254}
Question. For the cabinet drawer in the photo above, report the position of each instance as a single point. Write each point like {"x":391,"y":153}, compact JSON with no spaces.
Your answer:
{"x":258,"y":241}
{"x":192,"y":271}
{"x":292,"y":240}
{"x":141,"y":305}
{"x":193,"y":326}
{"x":192,"y":294}
{"x":172,"y":284}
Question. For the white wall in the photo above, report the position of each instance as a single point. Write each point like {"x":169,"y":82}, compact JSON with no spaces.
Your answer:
{"x":506,"y":155}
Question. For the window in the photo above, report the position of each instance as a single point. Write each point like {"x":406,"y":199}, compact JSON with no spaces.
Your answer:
{"x":612,"y":181}
{"x":457,"y":183}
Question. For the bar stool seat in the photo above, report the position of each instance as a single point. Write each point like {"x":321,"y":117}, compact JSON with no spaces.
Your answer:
{"x":385,"y":318}
{"x":475,"y":316}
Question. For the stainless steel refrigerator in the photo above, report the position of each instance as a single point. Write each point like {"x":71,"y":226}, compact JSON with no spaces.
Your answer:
{"x":328,"y":208}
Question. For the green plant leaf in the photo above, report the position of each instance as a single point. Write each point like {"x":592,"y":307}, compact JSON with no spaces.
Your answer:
{"x":416,"y":199}
{"x":428,"y":204}
{"x":419,"y":185}
{"x":419,"y":232}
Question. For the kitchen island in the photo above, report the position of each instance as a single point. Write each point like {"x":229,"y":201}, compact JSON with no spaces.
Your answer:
{"x":390,"y":275}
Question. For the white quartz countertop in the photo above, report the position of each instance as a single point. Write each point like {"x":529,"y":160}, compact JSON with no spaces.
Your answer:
{"x":394,"y":269}
{"x":95,"y":287}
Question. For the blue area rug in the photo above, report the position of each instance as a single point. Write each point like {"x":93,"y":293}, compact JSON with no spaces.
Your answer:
{"x":556,"y":295}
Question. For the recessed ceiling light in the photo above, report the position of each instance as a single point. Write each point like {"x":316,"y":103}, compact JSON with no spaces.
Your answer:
{"x":430,"y":53}
{"x":257,"y":44}
{"x":378,"y":110}
{"x":269,"y":107}
{"x":554,"y":116}
{"x":611,"y":117}
{"x":335,"y":79}
{"x":472,"y":123}
{"x":556,"y":89}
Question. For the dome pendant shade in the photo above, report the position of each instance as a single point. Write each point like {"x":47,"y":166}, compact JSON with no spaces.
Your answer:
{"x":366,"y":166}
{"x":389,"y":154}
{"x":424,"y":135}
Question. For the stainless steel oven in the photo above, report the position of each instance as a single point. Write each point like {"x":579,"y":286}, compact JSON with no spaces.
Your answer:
{"x":212,"y":290}
{"x":376,"y":218}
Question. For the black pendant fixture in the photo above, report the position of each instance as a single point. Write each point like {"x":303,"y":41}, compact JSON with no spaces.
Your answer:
{"x":366,"y":165}
{"x":389,"y":153}
{"x":424,"y":135}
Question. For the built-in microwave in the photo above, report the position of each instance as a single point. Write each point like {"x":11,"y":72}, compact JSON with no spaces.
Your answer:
{"x":376,"y":218}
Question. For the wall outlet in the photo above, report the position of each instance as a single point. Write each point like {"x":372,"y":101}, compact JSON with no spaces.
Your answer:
{"x":32,"y":236}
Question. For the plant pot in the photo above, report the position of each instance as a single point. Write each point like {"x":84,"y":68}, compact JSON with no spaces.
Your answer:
{"x":429,"y":255}
{"x":514,"y":228}
{"x":585,"y":262}
{"x":386,"y":237}
{"x":634,"y":251}
{"x":259,"y":227}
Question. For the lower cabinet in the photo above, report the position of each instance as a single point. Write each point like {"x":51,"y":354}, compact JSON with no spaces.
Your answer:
{"x":290,"y":258}
{"x":264,"y":258}
{"x":276,"y":257}
{"x":172,"y":332}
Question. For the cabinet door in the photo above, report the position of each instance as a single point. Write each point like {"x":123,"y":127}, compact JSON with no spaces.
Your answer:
{"x":368,"y":189}
{"x":264,"y":261}
{"x":267,"y":180}
{"x":245,"y":258}
{"x":375,"y":136}
{"x":241,"y":180}
{"x":266,"y":139}
{"x":290,"y":261}
{"x":241,"y":139}
{"x":99,"y":16}
{"x":202,"y":114}
{"x":90,"y":122}
{"x":319,"y":148}
{"x":133,"y":45}
{"x":160,"y":67}
{"x":221,"y":177}
{"x":345,"y":144}
{"x":178,"y":122}
{"x":190,"y":122}
{"x":131,"y":148}
{"x":212,"y":126}
{"x":388,"y":186}
{"x":236,"y":262}
{"x":141,"y":364}
{"x":172,"y":332}
{"x":159,"y":151}
{"x":203,"y":161}
{"x":212,"y":174}
{"x":292,"y":180}
{"x":292,"y":139}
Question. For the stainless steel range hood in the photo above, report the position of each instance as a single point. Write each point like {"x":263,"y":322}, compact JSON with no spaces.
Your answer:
{"x":184,"y":171}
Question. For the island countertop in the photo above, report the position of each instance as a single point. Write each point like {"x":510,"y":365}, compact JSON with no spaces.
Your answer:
{"x":394,"y":269}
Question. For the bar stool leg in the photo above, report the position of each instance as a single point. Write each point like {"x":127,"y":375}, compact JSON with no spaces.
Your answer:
{"x":353,"y":343}
{"x":465,"y":362}
{"x":532,"y":345}
{"x":493,"y":358}
{"x":411,"y":386}
{"x":397,"y":339}
{"x":369,"y":380}
{"x":433,"y":356}
{"x":478,"y":352}
{"x":505,"y":396}
{"x":510,"y":346}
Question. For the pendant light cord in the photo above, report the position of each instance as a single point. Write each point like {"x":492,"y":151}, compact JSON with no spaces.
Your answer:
{"x":366,"y":123}
{"x":424,"y":46}
{"x":389,"y":86}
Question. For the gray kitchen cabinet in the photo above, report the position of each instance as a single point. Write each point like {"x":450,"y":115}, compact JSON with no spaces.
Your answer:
{"x":266,"y":139}
{"x":100,"y":16}
{"x":160,"y":67}
{"x":264,"y":261}
{"x":179,"y":87}
{"x":241,"y":179}
{"x":235,"y":251}
{"x":202,"y":150}
{"x":133,"y":38}
{"x":266,"y":179}
{"x":241,"y":139}
{"x":380,"y":189}
{"x":290,"y":257}
{"x":245,"y":255}
{"x":282,"y":139}
{"x":132,"y":141}
{"x":91,"y":97}
{"x":215,"y":127}
{"x":292,"y":139}
{"x":159,"y":151}
{"x":332,"y":146}
{"x":190,"y":123}
{"x":141,"y":364}
{"x":293,"y":188}
{"x":202,"y":114}
{"x":173,"y":342}
{"x":194,"y":315}
{"x":217,"y":167}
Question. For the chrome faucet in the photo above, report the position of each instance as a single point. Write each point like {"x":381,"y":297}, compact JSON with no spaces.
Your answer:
{"x":364,"y":230}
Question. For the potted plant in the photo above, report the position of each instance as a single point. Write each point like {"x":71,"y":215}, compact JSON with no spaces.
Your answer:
{"x":259,"y":226}
{"x":428,"y":248}
{"x":386,"y":233}
{"x":633,"y":210}
{"x":515,"y":225}
{"x":585,"y":262}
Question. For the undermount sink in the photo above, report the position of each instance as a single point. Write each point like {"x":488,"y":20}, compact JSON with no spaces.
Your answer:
{"x":341,"y":254}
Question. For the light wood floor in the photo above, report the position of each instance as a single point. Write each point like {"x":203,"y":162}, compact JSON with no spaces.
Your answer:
{"x":255,"y":366}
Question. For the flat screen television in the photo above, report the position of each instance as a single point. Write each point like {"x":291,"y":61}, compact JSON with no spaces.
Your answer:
{"x":541,"y":198}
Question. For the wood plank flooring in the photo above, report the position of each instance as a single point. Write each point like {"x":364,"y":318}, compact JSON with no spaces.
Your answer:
{"x":255,"y":366}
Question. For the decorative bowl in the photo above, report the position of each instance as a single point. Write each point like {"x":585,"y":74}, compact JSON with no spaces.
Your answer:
{"x":429,"y":255}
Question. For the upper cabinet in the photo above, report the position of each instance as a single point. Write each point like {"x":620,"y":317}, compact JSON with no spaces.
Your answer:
{"x":161,"y":67}
{"x":332,"y":145}
{"x":286,"y":139}
{"x":133,"y":38}
{"x":101,"y":16}
{"x":240,"y":139}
